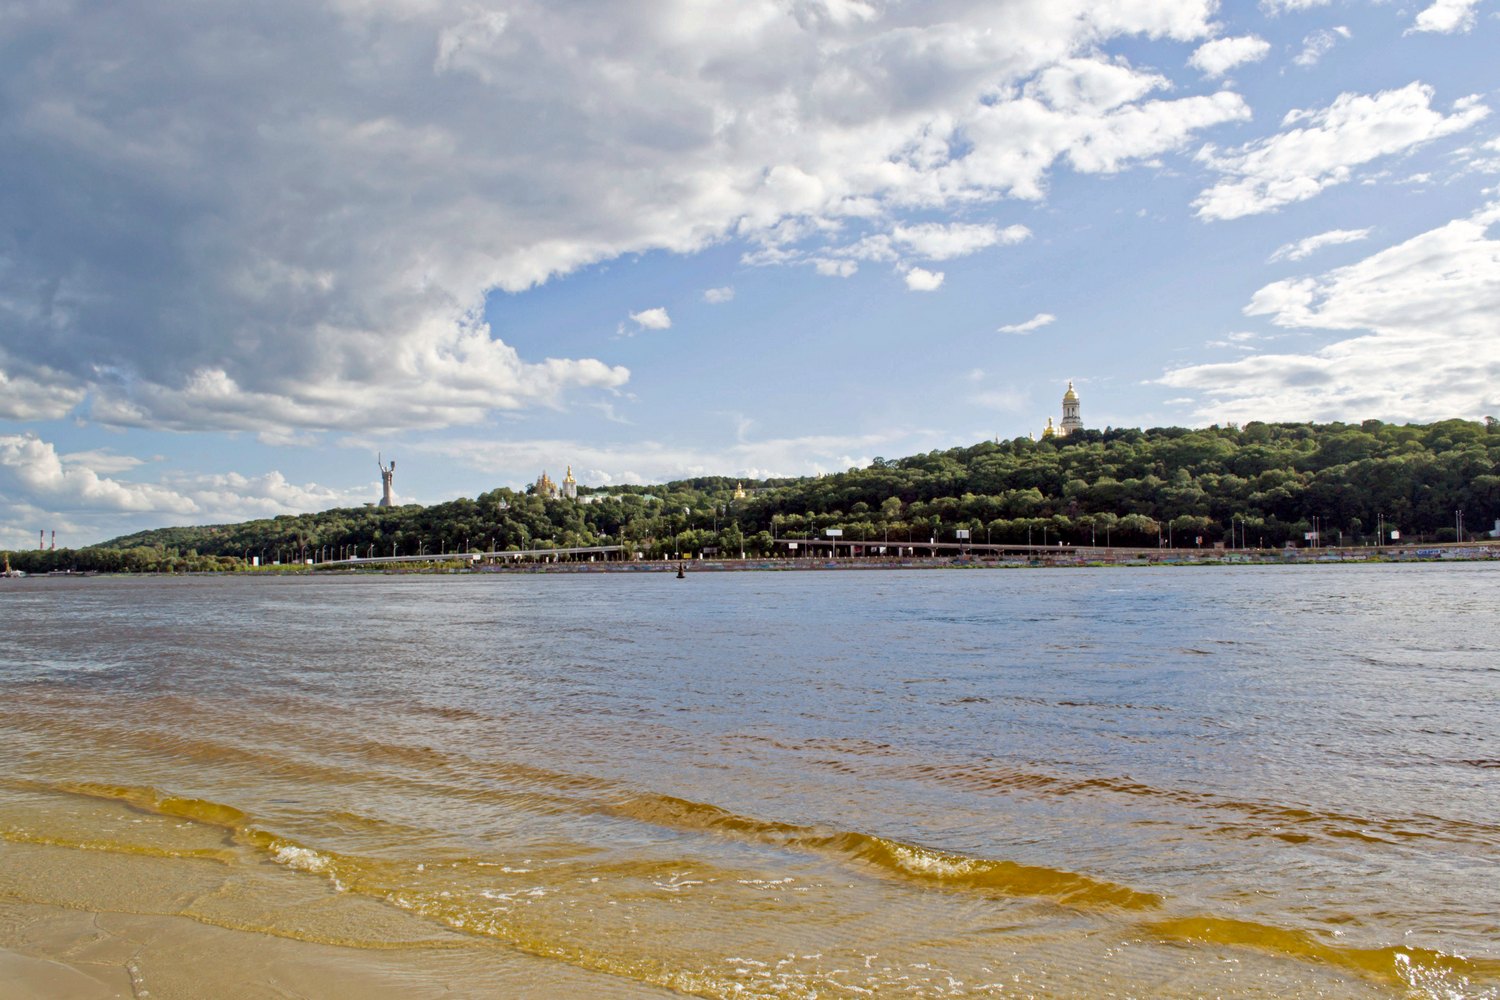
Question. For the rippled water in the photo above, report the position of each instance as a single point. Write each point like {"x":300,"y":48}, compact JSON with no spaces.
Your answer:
{"x":1249,"y":781}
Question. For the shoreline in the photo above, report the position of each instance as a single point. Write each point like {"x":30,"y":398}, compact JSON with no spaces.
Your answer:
{"x":1071,"y":561}
{"x":1068,"y":558}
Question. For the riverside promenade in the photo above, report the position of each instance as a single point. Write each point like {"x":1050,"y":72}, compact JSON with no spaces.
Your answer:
{"x":822,"y":555}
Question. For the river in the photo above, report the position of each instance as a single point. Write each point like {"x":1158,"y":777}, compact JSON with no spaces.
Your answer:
{"x":1154,"y":781}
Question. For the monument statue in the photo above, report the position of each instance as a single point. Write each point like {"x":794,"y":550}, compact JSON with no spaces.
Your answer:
{"x":386,"y":472}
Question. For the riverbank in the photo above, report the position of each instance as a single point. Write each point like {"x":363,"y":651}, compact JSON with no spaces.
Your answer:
{"x":1062,"y":557}
{"x":1065,"y":557}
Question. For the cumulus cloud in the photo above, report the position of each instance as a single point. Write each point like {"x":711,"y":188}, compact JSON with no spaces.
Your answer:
{"x":652,"y":319}
{"x":82,"y":497}
{"x":34,"y":468}
{"x":1298,"y":164}
{"x":1221,"y":55}
{"x":1310,"y":245}
{"x":919,"y":279}
{"x":294,"y":215}
{"x":718,"y":296}
{"x":1036,"y":322}
{"x":1446,"y":16}
{"x":233,"y":496}
{"x":46,"y":395}
{"x":834,"y":268}
{"x":1424,"y":346}
{"x":935,"y":241}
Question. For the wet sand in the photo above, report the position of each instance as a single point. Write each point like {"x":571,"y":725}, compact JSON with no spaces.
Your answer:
{"x":60,"y":952}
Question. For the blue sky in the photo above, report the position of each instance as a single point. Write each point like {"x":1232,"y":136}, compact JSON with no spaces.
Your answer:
{"x":242,"y":249}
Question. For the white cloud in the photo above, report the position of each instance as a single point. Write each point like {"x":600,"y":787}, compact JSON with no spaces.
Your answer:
{"x":1036,"y":322}
{"x":1446,"y":16}
{"x":79,"y":495}
{"x":1298,"y":164}
{"x":1424,"y":346}
{"x":33,"y":468}
{"x":834,"y":268}
{"x":475,"y":374}
{"x":1318,"y":44}
{"x":1310,"y":245}
{"x":232,"y":496}
{"x":1274,"y":7}
{"x":718,"y":296}
{"x":309,"y":206}
{"x":45,"y":395}
{"x":102,"y":461}
{"x":934,"y":241}
{"x":652,"y":319}
{"x":1221,"y":55}
{"x":919,"y":279}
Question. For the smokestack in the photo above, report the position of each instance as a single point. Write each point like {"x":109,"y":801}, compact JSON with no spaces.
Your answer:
{"x":41,"y":539}
{"x":54,"y":539}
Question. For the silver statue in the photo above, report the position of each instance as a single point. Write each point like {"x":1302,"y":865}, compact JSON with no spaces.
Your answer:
{"x":386,"y":472}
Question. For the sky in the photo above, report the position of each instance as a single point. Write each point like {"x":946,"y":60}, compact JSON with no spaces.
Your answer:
{"x":246,"y":248}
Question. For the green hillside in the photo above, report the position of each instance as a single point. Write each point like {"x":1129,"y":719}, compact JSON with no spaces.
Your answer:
{"x":1265,"y":483}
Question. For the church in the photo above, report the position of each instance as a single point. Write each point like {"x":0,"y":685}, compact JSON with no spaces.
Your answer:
{"x":1071,"y":420}
{"x":549,"y":490}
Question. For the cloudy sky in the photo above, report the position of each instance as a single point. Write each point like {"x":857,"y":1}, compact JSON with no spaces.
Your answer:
{"x":245,"y":247}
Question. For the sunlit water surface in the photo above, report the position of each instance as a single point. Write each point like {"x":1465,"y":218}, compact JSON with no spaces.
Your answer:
{"x":1247,"y":781}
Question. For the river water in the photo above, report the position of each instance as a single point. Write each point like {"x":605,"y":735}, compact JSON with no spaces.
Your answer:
{"x":1163,"y":782}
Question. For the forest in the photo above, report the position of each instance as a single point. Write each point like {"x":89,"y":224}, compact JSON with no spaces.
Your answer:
{"x":1259,"y":485}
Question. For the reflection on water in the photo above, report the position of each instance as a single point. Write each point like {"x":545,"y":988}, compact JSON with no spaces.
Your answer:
{"x":1168,"y":782}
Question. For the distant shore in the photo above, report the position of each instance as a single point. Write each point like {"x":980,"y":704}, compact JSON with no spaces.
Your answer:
{"x":1066,"y":557}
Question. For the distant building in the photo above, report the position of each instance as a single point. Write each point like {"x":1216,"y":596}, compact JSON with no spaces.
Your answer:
{"x":549,"y":490}
{"x":1072,"y":419}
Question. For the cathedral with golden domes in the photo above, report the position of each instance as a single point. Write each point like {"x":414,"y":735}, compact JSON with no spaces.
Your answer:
{"x":549,"y":490}
{"x":1071,"y":419}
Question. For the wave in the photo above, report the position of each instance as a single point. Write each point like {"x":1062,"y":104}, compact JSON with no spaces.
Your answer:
{"x":488,"y":915}
{"x":1399,"y":965}
{"x":892,"y":858}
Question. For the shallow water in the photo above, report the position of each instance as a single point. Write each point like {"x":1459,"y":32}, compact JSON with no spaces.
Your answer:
{"x":1252,"y":781}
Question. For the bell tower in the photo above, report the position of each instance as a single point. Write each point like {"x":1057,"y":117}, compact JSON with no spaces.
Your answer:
{"x":1071,"y":421}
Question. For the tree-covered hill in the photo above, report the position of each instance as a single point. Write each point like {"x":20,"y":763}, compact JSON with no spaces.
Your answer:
{"x":1261,"y":484}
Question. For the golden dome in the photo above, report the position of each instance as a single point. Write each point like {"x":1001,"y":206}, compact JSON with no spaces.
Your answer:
{"x":1070,"y":396}
{"x":569,"y":477}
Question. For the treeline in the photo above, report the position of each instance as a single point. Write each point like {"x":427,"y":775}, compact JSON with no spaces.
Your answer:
{"x":132,"y":559}
{"x":1260,"y":485}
